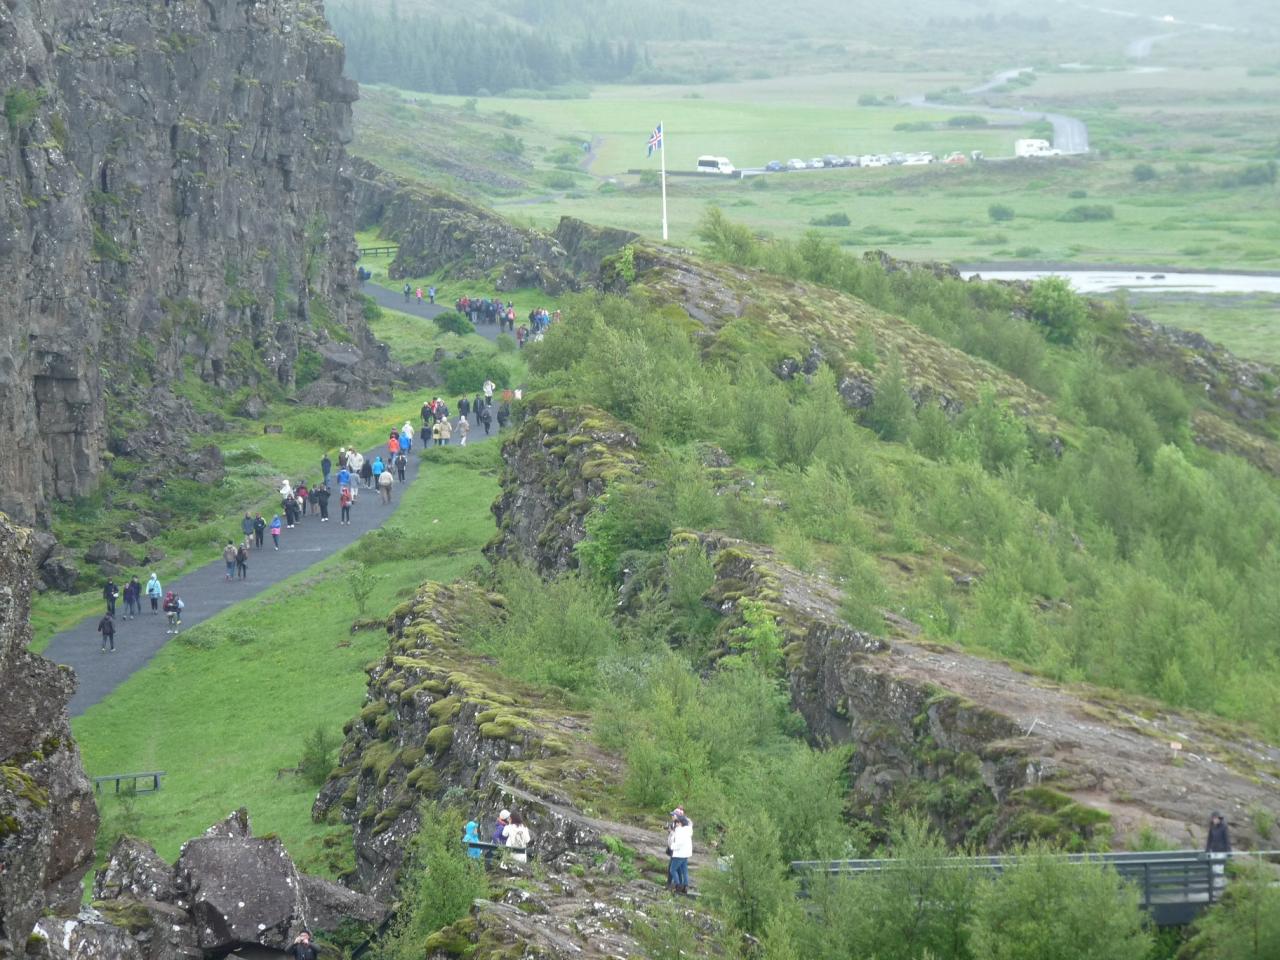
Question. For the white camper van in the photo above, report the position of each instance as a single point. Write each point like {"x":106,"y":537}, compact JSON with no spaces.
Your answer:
{"x":716,"y":165}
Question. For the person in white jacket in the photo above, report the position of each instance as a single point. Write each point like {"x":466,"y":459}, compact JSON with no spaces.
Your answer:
{"x":680,"y":844}
{"x":518,"y":838}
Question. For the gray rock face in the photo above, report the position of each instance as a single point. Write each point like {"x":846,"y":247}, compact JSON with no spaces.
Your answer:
{"x":175,"y":201}
{"x":47,"y":815}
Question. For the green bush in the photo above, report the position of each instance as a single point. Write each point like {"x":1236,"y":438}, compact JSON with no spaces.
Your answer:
{"x":1000,"y":212}
{"x":837,"y":219}
{"x":1055,"y":306}
{"x":1087,"y":212}
{"x":307,"y":367}
{"x":451,"y":321}
{"x":324,"y":428}
{"x":20,"y":106}
{"x":506,"y":343}
{"x":1143,"y":172}
{"x":318,"y":753}
{"x":560,"y":180}
{"x":466,"y":375}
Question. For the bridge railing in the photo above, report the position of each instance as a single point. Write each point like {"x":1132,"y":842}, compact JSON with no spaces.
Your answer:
{"x":1174,"y":885}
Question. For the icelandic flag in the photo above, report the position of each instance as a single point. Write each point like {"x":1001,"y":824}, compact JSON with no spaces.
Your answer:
{"x":655,"y":140}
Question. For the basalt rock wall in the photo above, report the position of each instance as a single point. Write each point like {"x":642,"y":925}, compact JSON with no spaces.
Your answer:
{"x":175,"y":200}
{"x":48,"y":818}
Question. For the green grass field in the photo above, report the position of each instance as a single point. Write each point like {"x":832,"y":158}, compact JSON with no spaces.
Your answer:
{"x":229,"y":704}
{"x":1244,"y":324}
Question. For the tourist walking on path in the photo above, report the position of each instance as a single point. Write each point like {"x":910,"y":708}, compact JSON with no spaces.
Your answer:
{"x":518,"y":839}
{"x":471,"y":839}
{"x":489,"y":387}
{"x":132,"y":598}
{"x":344,"y":501}
{"x":107,"y":627}
{"x":446,"y":431}
{"x":259,"y":530}
{"x":109,"y":593}
{"x":485,"y":419}
{"x":385,"y":479}
{"x":326,"y":468}
{"x":154,"y":590}
{"x":402,"y":464}
{"x":431,"y":295}
{"x":680,"y":843}
{"x":242,"y":561}
{"x":408,"y":291}
{"x":406,"y":437}
{"x":173,"y":612}
{"x":246,"y":526}
{"x":275,"y":531}
{"x":229,"y":558}
{"x":464,"y":428}
{"x":322,"y":501}
{"x":377,"y":469}
{"x":366,"y":474}
{"x":435,"y":433}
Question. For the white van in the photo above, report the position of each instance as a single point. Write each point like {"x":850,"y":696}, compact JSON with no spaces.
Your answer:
{"x":716,"y":165}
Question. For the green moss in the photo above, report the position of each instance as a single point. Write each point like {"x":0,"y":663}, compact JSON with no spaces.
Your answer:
{"x":488,"y":716}
{"x":440,"y":739}
{"x":24,"y":786}
{"x":442,"y":711}
{"x":126,"y":913}
{"x":424,"y":780}
{"x":506,"y":727}
{"x":372,"y":711}
{"x":453,"y":940}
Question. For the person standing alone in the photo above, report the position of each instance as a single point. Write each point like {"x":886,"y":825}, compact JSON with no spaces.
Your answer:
{"x":680,"y":843}
{"x":153,"y":592}
{"x":107,"y":627}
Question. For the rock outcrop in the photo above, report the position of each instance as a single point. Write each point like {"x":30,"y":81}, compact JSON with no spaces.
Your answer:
{"x":558,"y":464}
{"x":995,"y":755}
{"x":175,"y":201}
{"x":437,"y":720}
{"x":47,"y":815}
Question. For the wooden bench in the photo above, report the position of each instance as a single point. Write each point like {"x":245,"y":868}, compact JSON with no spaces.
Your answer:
{"x":132,"y":779}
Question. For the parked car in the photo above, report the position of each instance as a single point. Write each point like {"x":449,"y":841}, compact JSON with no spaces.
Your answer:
{"x":853,"y":160}
{"x":715,"y":165}
{"x":831,"y":160}
{"x":796,"y":164}
{"x":816,"y":163}
{"x":774,"y":166}
{"x":876,"y":160}
{"x":955,"y":157}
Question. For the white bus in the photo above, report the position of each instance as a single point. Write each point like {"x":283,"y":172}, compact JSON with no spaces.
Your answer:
{"x":715,"y":165}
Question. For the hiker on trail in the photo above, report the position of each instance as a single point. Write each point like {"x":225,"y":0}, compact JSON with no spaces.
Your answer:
{"x":428,"y":414}
{"x":464,"y":428}
{"x":344,"y":501}
{"x":419,"y":296}
{"x":446,"y":431}
{"x":109,"y":593}
{"x":173,"y":607}
{"x":470,"y":837}
{"x":342,"y":457}
{"x":344,"y":478}
{"x":154,"y":591}
{"x":407,"y":291}
{"x":326,"y":468}
{"x":464,"y":407}
{"x":406,"y":437}
{"x":522,"y":334}
{"x":489,"y":387}
{"x":393,"y":445}
{"x":366,"y":473}
{"x":355,"y":461}
{"x":435,"y":433}
{"x":302,"y":948}
{"x":242,"y":561}
{"x":485,"y":420}
{"x":402,"y":464}
{"x":431,"y":294}
{"x":246,"y":525}
{"x":478,"y":404}
{"x":504,"y":414}
{"x":385,"y":479}
{"x":378,"y":467}
{"x":507,"y":395}
{"x":107,"y":627}
{"x":314,"y":499}
{"x":1218,"y":839}
{"x":499,"y":837}
{"x":518,"y":839}
{"x":680,"y":843}
{"x":302,"y":494}
{"x":229,"y":558}
{"x":290,"y":507}
{"x":275,"y":531}
{"x":322,"y":501}
{"x":132,"y":598}
{"x":259,"y":530}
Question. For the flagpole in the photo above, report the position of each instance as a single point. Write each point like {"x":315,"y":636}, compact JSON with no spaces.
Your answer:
{"x":662,"y":151}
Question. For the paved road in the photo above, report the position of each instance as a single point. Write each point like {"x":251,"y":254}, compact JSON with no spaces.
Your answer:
{"x":394,"y":300}
{"x":206,"y":591}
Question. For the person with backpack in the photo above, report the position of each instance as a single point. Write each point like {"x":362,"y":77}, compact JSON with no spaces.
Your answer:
{"x":504,"y":414}
{"x":173,"y":607}
{"x":485,"y":420}
{"x":518,"y":839}
{"x":377,"y":469}
{"x":680,"y":845}
{"x":259,"y":531}
{"x":154,"y":590}
{"x":229,"y":558}
{"x":107,"y":627}
{"x":109,"y":593}
{"x":242,"y":561}
{"x":393,"y":445}
{"x":344,"y":501}
{"x":435,"y":433}
{"x":385,"y":479}
{"x":275,"y":531}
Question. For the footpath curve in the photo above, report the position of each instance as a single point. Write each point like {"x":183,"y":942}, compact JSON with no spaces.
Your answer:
{"x":205,"y":590}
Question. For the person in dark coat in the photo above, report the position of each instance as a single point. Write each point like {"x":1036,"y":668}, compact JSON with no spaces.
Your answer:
{"x":302,"y":947}
{"x":322,"y":501}
{"x":326,"y":468}
{"x":1219,"y":839}
{"x":107,"y":627}
{"x":259,"y":530}
{"x":109,"y":593}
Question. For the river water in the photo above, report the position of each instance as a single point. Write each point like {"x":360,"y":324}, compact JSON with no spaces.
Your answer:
{"x":1107,"y":281}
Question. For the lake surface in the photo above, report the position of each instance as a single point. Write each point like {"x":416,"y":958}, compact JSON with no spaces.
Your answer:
{"x":1107,"y":281}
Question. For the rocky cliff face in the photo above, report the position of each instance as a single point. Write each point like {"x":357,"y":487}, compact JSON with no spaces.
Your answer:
{"x":174,"y":201}
{"x":47,"y":815}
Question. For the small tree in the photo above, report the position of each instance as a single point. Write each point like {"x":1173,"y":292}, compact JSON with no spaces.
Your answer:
{"x":1245,"y":925}
{"x":755,"y":885}
{"x":1055,"y":306}
{"x":360,"y":581}
{"x":1142,"y":172}
{"x":892,"y":412}
{"x":317,"y":756}
{"x":451,"y":321}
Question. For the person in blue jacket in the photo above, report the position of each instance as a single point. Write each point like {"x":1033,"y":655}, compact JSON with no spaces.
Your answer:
{"x":378,"y":467}
{"x":470,"y":836}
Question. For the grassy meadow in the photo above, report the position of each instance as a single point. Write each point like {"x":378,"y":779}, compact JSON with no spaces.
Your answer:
{"x":230,"y":703}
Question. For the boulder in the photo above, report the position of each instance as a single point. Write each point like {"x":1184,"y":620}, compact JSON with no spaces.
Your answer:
{"x":58,"y":572}
{"x":140,"y":529}
{"x":104,"y":552}
{"x":43,"y":544}
{"x":134,"y":869}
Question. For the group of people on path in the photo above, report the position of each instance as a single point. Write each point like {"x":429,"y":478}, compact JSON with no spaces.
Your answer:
{"x":484,"y":409}
{"x":409,"y":291}
{"x":510,"y":834}
{"x":167,"y":602}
